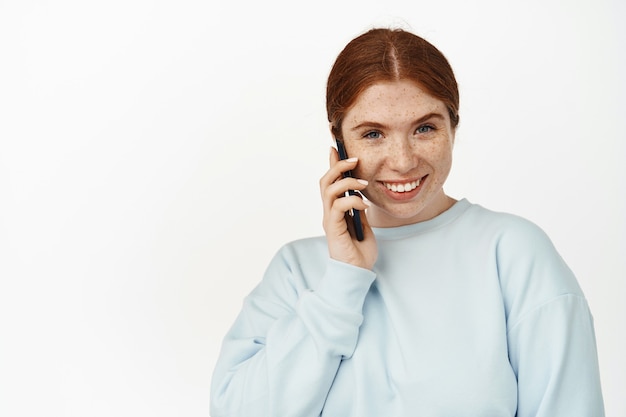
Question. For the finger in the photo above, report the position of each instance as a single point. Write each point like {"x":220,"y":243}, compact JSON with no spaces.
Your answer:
{"x":336,"y":171}
{"x":349,"y":223}
{"x":333,"y":156}
{"x":345,"y":204}
{"x":333,"y":159}
{"x":339,"y":188}
{"x":334,"y":218}
{"x":367,"y":229}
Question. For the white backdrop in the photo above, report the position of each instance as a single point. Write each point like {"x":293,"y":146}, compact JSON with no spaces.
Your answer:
{"x":154,"y":155}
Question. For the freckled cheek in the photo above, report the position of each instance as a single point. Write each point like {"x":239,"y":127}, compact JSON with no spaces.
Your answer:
{"x":443,"y":164}
{"x":363,"y":170}
{"x":439,"y":153}
{"x":443,"y":154}
{"x":368,"y":160}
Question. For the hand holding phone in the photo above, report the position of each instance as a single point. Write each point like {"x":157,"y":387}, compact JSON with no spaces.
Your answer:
{"x":355,"y":215}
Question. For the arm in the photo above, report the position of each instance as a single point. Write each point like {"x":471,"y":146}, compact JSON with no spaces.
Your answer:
{"x":282,"y":353}
{"x":553,"y":354}
{"x":550,"y":331}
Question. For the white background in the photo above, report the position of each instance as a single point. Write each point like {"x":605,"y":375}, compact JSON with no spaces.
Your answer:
{"x":154,"y":155}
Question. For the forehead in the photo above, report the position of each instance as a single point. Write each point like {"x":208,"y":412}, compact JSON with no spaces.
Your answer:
{"x":393,"y":100}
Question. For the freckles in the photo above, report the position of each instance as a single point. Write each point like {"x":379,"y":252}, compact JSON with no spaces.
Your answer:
{"x":428,"y":151}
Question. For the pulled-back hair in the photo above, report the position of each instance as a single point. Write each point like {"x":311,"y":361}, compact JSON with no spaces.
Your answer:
{"x":388,"y":55}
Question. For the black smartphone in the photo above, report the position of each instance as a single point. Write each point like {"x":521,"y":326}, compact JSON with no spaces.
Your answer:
{"x":354,"y":214}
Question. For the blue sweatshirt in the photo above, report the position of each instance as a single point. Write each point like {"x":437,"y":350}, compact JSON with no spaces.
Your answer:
{"x":472,"y":313}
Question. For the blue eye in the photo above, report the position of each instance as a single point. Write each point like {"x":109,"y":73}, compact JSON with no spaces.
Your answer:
{"x":373,"y":135}
{"x":425,"y":129}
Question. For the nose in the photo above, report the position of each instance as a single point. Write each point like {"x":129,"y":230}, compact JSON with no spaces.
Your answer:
{"x":401,"y":155}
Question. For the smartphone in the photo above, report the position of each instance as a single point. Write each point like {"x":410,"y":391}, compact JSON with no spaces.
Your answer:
{"x":355,"y":215}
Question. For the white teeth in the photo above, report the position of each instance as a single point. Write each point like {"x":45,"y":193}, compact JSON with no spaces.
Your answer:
{"x":403,"y":188}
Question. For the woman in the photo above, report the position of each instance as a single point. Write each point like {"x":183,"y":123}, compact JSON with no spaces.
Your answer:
{"x":443,"y":309}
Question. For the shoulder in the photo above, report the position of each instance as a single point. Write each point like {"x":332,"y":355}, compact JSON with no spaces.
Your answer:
{"x":296,"y":265}
{"x":501,"y":222}
{"x":530,"y":269}
{"x":517,"y":239}
{"x":302,"y":252}
{"x":507,"y":233}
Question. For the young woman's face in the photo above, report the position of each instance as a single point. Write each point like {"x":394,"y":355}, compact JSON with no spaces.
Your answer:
{"x":403,"y":139}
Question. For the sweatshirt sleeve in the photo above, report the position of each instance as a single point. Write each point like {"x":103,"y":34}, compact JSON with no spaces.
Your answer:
{"x":551,"y":338}
{"x":553,"y":353}
{"x":283,"y":351}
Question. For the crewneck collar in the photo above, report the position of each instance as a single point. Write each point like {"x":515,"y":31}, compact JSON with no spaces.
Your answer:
{"x":391,"y":233}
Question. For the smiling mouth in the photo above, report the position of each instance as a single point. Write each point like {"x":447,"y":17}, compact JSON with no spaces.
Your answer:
{"x":403,"y":187}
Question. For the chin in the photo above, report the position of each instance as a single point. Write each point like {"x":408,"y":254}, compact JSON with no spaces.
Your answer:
{"x":388,"y":217}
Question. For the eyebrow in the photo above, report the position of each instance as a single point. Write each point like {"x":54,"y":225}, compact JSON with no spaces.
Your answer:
{"x":432,"y":115}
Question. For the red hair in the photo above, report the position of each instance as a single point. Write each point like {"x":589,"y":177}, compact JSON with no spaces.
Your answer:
{"x":388,"y":55}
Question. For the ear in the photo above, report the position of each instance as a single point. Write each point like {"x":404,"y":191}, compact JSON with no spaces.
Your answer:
{"x":334,"y":132}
